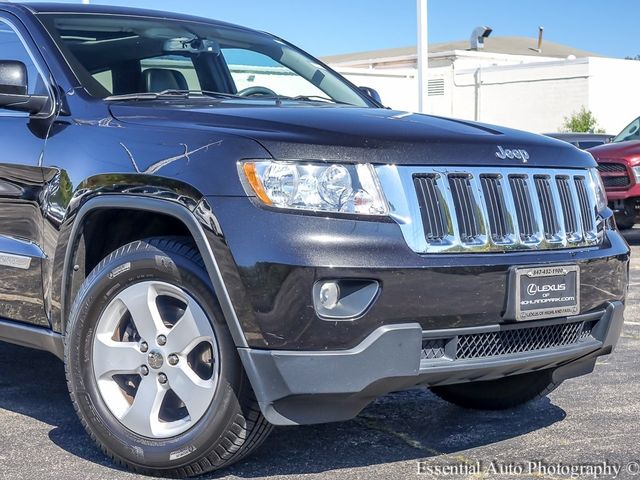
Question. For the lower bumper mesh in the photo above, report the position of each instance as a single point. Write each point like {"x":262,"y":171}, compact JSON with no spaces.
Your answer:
{"x":507,"y":342}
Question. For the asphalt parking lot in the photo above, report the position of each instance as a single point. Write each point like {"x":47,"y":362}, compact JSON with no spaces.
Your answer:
{"x":588,"y":420}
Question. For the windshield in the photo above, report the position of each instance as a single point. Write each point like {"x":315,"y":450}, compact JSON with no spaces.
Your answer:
{"x":115,"y":55}
{"x":630,"y":132}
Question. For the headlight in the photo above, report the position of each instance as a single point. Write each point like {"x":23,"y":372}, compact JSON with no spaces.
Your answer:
{"x":327,"y":187}
{"x":601,"y":194}
{"x":636,"y":172}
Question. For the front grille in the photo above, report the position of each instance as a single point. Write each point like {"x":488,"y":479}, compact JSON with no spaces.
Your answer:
{"x":507,"y":342}
{"x":497,"y":209}
{"x":612,"y":168}
{"x":616,"y":181}
{"x":614,"y":175}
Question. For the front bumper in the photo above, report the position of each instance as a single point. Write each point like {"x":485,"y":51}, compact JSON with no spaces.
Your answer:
{"x":270,"y":262}
{"x":295,"y":387}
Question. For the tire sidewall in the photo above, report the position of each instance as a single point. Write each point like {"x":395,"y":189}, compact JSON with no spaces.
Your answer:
{"x":110,"y":278}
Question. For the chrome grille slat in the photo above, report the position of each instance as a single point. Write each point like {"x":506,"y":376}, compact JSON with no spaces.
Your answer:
{"x":430,"y":208}
{"x":568,"y":210}
{"x":494,"y":199}
{"x":547,"y":204}
{"x":524,"y":207}
{"x":484,"y":209}
{"x":583,"y":199}
{"x":465,"y":207}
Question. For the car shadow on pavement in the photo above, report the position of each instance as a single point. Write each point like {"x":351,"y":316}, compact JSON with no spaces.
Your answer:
{"x":412,"y":425}
{"x":632,"y":236}
{"x":32,"y":384}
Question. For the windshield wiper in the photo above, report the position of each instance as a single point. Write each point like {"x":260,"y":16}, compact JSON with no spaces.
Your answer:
{"x":315,"y":98}
{"x":171,"y":94}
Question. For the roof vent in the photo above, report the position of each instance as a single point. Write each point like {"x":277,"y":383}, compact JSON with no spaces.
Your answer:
{"x":540,"y":34}
{"x":477,"y":37}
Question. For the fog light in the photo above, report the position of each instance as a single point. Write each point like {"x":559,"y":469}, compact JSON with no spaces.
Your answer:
{"x":329,"y":295}
{"x":344,"y":299}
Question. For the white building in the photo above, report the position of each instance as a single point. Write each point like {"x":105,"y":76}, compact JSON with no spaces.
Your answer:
{"x":508,"y":82}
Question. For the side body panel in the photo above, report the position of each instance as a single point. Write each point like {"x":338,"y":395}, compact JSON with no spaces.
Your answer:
{"x":22,"y":143}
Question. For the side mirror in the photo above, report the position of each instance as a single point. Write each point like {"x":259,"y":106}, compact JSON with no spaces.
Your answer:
{"x":372,"y":93}
{"x":14,"y":89}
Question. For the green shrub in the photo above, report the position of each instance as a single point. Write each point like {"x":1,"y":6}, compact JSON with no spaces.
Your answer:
{"x":582,"y":121}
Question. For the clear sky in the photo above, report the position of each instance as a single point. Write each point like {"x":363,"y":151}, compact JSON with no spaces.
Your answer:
{"x":325,"y":27}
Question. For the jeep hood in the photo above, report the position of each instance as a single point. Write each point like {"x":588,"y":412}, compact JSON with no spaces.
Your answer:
{"x":304,"y":132}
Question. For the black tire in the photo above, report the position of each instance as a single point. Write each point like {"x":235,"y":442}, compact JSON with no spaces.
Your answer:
{"x":624,"y":221}
{"x":231,"y":427}
{"x":501,"y":394}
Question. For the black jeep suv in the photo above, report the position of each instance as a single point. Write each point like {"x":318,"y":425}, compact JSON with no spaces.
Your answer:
{"x":217,"y":233}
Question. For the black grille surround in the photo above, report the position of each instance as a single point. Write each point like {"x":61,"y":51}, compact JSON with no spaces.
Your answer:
{"x":512,"y":340}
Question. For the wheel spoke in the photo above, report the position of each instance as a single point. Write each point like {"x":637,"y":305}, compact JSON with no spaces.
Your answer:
{"x":143,"y":415}
{"x":187,"y":331}
{"x":192,"y":390}
{"x":140,"y":300}
{"x":111,"y":357}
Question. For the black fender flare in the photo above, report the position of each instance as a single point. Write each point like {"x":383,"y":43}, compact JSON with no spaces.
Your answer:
{"x":170,"y":208}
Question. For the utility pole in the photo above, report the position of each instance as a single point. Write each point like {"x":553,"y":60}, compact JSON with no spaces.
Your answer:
{"x":423,"y":56}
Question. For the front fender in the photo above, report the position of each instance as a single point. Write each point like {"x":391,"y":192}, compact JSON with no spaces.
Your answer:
{"x":195,"y":223}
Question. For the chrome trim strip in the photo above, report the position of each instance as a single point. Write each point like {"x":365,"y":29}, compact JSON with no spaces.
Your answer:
{"x":399,"y":189}
{"x":15,"y":261}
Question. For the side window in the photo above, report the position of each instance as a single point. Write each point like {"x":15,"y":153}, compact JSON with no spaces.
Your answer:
{"x":252,"y":69}
{"x":12,"y":48}
{"x":632,"y":132}
{"x":105,"y":78}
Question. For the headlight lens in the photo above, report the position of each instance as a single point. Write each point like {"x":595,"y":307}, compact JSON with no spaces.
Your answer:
{"x":636,"y":172}
{"x":338,"y":188}
{"x":601,"y":194}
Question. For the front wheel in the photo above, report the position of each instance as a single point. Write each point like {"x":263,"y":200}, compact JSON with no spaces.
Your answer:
{"x":151,"y":367}
{"x":501,"y":394}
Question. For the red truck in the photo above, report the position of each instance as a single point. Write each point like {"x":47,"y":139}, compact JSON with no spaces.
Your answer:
{"x":619,"y":165}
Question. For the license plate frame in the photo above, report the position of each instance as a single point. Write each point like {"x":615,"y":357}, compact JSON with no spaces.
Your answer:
{"x":557,"y":286}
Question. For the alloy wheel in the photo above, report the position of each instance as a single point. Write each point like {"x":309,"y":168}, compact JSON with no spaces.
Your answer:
{"x":155,"y":359}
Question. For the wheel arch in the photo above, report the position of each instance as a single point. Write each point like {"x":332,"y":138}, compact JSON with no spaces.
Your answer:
{"x":189,"y":222}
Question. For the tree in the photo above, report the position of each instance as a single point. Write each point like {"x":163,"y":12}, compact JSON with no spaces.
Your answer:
{"x":582,"y":121}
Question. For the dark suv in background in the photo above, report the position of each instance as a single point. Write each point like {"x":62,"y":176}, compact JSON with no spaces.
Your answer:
{"x":217,"y":233}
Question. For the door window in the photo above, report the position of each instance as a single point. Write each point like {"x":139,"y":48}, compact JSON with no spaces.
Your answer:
{"x":12,"y":48}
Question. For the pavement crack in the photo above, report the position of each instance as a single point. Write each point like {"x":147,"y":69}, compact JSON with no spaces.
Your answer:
{"x":371,"y":423}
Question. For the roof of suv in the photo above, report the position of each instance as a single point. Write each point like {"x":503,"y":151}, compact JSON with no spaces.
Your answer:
{"x":46,"y":7}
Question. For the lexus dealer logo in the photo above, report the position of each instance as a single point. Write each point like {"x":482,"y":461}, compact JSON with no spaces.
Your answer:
{"x":518,"y":154}
{"x":532,"y":289}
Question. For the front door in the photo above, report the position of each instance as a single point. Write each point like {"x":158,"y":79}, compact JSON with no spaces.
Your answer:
{"x":22,"y":141}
